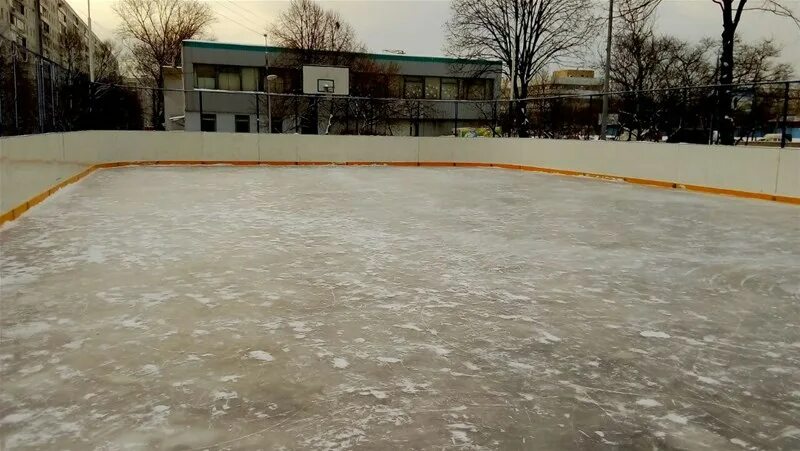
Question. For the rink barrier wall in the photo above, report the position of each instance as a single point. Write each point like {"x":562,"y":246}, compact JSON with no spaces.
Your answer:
{"x":34,"y":167}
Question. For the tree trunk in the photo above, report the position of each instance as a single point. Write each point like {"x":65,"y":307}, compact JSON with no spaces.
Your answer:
{"x":724,"y":97}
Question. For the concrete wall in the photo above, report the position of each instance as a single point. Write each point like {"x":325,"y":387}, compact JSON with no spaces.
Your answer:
{"x":30,"y":165}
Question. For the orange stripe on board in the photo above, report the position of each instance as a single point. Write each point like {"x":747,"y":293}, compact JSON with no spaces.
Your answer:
{"x":472,"y":165}
{"x":15,"y":212}
{"x":730,"y":192}
{"x":649,"y":182}
{"x":7,"y":216}
{"x":318,"y":163}
{"x":277,"y":163}
{"x":436,"y":163}
{"x":507,"y":166}
{"x":788,"y":200}
{"x":364,"y":163}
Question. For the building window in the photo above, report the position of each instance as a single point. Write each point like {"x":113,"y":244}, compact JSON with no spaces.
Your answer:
{"x":395,"y":86}
{"x":449,"y":89}
{"x":250,"y":79}
{"x":229,"y":79}
{"x":242,"y":123}
{"x":413,"y":88}
{"x":45,"y":27}
{"x":277,"y":125}
{"x":208,"y":122}
{"x":205,"y":77}
{"x":20,"y":8}
{"x":432,"y":87}
{"x":476,"y":89}
{"x":276,"y":86}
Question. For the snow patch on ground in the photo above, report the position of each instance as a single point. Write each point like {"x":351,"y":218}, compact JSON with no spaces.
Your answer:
{"x":647,"y":402}
{"x":340,"y":363}
{"x":653,"y":334}
{"x":261,"y":355}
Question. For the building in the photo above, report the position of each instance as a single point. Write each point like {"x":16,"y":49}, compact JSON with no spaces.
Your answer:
{"x":63,"y":38}
{"x":226,"y":90}
{"x":575,"y":81}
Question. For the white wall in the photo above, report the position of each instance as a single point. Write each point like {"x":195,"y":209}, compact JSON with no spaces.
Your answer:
{"x":30,"y":165}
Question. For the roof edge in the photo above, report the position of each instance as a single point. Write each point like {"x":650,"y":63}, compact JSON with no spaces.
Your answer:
{"x":375,"y":56}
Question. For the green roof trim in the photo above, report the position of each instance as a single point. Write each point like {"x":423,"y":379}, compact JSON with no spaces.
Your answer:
{"x":375,"y":56}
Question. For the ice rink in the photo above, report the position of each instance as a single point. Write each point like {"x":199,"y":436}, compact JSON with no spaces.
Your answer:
{"x":244,"y":308}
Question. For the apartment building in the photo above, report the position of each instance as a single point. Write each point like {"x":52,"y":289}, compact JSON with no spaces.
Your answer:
{"x":62,"y":37}
{"x":226,"y":88}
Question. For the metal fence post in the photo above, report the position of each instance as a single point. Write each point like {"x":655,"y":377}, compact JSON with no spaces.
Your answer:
{"x":16,"y":97}
{"x":785,"y":114}
{"x":455,"y":122}
{"x":494,"y":117}
{"x":258,"y":116}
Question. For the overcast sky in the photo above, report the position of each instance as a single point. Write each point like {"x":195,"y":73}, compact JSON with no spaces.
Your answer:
{"x":417,"y":26}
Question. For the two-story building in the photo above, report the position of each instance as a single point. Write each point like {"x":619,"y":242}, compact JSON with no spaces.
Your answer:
{"x":250,"y":88}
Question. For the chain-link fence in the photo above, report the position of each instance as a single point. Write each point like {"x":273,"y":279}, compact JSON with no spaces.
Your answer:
{"x":37,"y":96}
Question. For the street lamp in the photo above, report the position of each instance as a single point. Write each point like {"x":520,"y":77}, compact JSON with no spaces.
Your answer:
{"x":270,"y":77}
{"x":91,"y":41}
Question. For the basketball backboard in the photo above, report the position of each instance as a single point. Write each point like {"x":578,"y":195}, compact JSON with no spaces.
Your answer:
{"x":326,"y":80}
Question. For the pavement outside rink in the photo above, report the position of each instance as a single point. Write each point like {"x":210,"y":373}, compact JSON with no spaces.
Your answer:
{"x":397,"y":308}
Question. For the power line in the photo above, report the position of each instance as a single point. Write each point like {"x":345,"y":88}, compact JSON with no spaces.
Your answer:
{"x":241,"y":24}
{"x":246,"y":11}
{"x":239,"y":16}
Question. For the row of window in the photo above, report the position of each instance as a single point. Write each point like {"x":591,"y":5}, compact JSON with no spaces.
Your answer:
{"x":229,"y":78}
{"x":238,"y":78}
{"x":208,"y":123}
{"x":447,"y":88}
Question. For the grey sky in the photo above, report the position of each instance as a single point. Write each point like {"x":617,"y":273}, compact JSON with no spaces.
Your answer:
{"x":417,"y":26}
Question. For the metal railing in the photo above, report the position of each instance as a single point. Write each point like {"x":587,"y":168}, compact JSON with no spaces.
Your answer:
{"x":37,"y":96}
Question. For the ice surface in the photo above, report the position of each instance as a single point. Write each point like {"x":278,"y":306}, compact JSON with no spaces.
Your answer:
{"x":397,"y":308}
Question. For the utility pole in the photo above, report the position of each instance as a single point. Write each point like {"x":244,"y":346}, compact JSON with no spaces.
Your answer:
{"x":607,"y":74}
{"x":91,"y":40}
{"x":266,"y":83}
{"x":39,"y":65}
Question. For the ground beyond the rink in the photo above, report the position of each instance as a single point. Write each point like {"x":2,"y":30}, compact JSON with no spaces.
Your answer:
{"x":397,"y":308}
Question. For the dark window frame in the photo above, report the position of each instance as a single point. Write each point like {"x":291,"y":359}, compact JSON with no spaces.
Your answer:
{"x":450,"y":81}
{"x":197,"y":76}
{"x":241,"y":119}
{"x":207,"y":117}
{"x":415,"y":80}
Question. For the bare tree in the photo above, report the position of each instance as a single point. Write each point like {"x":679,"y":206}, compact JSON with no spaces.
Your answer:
{"x":643,"y":64}
{"x":106,"y":62}
{"x":74,"y":47}
{"x":314,"y":32}
{"x":154,"y":30}
{"x":731,"y":17}
{"x":526,"y":35}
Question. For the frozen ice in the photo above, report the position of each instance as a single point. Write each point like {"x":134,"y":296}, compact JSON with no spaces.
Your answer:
{"x":397,"y":308}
